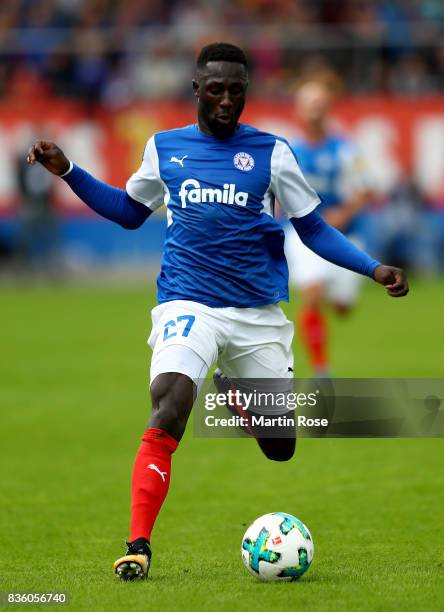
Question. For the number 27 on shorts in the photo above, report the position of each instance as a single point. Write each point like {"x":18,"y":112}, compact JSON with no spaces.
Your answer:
{"x":182,"y":324}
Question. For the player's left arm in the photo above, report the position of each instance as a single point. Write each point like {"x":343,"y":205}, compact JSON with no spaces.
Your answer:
{"x":299,"y":201}
{"x":333,"y":246}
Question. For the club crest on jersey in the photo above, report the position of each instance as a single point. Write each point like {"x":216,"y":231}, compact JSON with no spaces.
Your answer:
{"x":192,"y":192}
{"x":243,"y":161}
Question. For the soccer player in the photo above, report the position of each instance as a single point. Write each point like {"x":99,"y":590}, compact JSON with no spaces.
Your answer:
{"x":331,"y":164}
{"x":223,"y":270}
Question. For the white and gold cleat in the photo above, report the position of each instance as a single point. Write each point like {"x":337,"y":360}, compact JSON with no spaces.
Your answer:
{"x":136,"y":563}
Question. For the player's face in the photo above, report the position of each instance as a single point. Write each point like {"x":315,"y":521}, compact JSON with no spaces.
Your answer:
{"x":313,"y":103}
{"x":220,"y":90}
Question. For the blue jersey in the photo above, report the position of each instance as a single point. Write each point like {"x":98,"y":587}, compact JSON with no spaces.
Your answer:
{"x":332,"y":167}
{"x":223,"y":246}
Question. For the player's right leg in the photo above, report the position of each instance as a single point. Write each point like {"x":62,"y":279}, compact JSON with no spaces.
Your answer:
{"x":179,"y":333}
{"x":172,"y":396}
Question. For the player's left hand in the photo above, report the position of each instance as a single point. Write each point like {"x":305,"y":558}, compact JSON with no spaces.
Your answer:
{"x":393,"y":279}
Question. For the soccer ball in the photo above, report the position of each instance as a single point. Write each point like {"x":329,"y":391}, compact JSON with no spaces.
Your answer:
{"x":277,"y":546}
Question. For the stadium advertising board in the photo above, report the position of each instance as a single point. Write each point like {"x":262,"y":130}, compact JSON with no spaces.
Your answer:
{"x":399,"y":138}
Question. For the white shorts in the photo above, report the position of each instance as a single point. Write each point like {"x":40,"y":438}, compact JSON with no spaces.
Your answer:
{"x":189,"y":338}
{"x":307,"y":268}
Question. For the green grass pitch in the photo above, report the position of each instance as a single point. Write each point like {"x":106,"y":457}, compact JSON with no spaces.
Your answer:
{"x":74,"y":403}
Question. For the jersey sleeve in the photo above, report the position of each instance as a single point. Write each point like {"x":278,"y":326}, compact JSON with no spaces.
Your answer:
{"x":288,"y":184}
{"x":145,"y":185}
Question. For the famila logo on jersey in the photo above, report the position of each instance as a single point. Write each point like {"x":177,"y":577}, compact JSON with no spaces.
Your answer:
{"x":192,"y":192}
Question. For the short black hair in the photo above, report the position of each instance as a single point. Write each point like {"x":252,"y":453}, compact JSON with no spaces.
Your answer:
{"x":221,"y":52}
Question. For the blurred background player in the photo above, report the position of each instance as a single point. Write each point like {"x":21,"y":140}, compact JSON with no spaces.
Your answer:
{"x":333,"y":167}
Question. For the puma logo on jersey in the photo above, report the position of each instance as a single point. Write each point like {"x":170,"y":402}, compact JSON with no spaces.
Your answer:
{"x":176,"y":160}
{"x":191,"y":191}
{"x":153,"y":466}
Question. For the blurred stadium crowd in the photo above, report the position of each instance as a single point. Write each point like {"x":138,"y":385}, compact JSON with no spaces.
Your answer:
{"x":115,"y":51}
{"x":106,"y":55}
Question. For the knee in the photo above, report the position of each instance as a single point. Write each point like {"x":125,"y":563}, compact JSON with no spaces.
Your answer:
{"x":342,"y":310}
{"x":313,"y":296}
{"x":172,"y":397}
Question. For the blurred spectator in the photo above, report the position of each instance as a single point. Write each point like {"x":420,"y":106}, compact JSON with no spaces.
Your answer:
{"x":91,"y":66}
{"x":118,"y":91}
{"x":401,"y":232}
{"x":438,"y":62}
{"x":397,"y":19}
{"x":161,"y":72}
{"x":39,"y":35}
{"x":410,"y":76}
{"x":80,"y":46}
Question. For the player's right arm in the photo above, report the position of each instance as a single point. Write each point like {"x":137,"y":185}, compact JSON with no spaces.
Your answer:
{"x":110,"y":202}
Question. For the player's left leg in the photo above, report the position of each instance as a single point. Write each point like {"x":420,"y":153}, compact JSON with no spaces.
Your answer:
{"x":278,"y":449}
{"x":259,"y":351}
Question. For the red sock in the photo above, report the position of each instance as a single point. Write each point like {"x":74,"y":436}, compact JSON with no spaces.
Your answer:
{"x":151,"y":479}
{"x":314,"y":335}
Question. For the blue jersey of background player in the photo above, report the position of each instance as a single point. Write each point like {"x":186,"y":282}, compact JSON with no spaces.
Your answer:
{"x":333,"y":167}
{"x":223,"y":268}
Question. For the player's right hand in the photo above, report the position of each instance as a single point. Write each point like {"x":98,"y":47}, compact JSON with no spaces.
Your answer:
{"x":49,"y":155}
